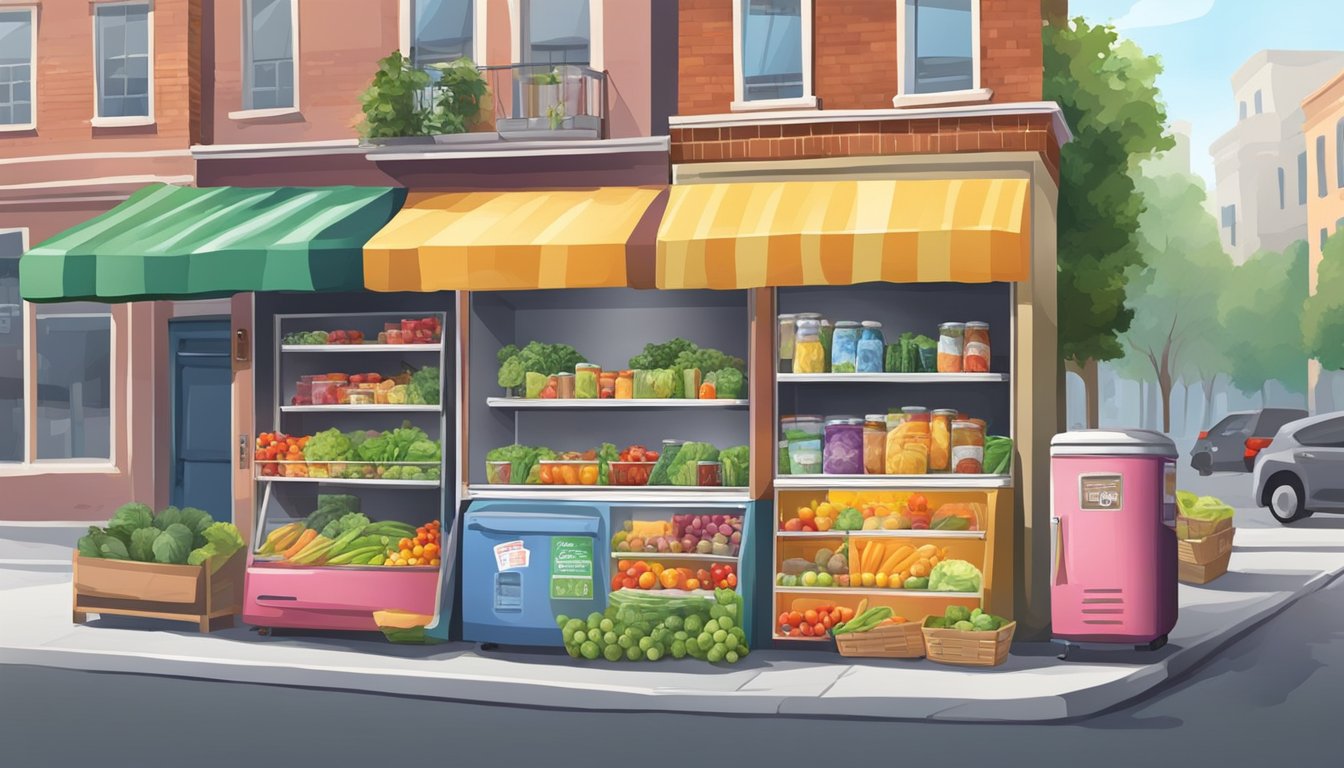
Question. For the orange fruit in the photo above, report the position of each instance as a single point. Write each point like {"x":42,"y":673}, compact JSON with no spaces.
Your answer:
{"x":806,"y":514}
{"x":807,"y":630}
{"x":647,"y":580}
{"x":692,"y":584}
{"x":818,"y":630}
{"x":657,"y":569}
{"x":810,"y":616}
{"x":793,"y":524}
{"x":795,"y":618}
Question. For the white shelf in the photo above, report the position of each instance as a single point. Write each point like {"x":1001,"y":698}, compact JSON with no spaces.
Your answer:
{"x":673,"y":556}
{"x":360,"y":408}
{"x":353,"y":481}
{"x":707,"y":594}
{"x":884,"y":534}
{"x":893,"y":482}
{"x":574,"y":404}
{"x":657,"y":494}
{"x":361,"y":348}
{"x":872,"y":591}
{"x":891,"y":378}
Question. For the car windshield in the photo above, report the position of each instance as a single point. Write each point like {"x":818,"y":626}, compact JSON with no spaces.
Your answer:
{"x":1232,"y":424}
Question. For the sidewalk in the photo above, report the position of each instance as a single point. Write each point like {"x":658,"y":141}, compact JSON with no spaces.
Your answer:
{"x":1270,"y":569}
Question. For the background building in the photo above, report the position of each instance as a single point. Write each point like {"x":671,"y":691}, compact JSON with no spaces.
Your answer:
{"x":1324,"y":128}
{"x":1261,"y":164}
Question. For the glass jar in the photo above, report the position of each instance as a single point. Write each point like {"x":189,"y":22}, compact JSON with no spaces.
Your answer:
{"x":842,"y":446}
{"x":361,"y":396}
{"x":801,"y":427}
{"x":940,"y":439}
{"x":788,"y":327}
{"x":564,"y":389}
{"x":844,"y":346}
{"x":875,"y":444}
{"x":950,"y":346}
{"x":968,"y":448}
{"x":870,"y":353}
{"x":975,"y":348}
{"x":585,"y":381}
{"x":808,"y":354}
{"x":625,"y":385}
{"x":908,"y":443}
{"x":784,"y":468}
{"x":709,"y":473}
{"x":606,"y":385}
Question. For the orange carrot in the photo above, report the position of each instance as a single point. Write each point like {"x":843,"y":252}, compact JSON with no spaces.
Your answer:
{"x":304,"y":539}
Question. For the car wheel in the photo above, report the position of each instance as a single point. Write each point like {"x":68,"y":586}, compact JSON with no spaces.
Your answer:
{"x":1202,"y":464}
{"x":1286,"y":500}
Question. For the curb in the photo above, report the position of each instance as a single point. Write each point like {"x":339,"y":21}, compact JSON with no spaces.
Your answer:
{"x":565,"y":694}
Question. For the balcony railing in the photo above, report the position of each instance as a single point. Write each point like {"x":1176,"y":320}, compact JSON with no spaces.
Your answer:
{"x":537,"y":102}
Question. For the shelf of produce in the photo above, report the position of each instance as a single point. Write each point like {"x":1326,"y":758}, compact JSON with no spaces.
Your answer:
{"x":892,"y":482}
{"x":361,"y":348}
{"x":707,"y":594}
{"x":618,"y":493}
{"x":260,"y":561}
{"x":892,"y":378}
{"x":689,"y":556}
{"x":872,"y":591}
{"x":921,"y":534}
{"x":621,"y":404}
{"x":360,"y":408}
{"x":352,"y":481}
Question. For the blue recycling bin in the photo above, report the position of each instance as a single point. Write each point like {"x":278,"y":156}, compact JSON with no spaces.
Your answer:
{"x":525,"y":563}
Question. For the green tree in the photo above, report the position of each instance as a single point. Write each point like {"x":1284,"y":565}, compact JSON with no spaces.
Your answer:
{"x":1261,"y":315}
{"x":1323,"y":315}
{"x":1106,"y":89}
{"x":1174,"y":292}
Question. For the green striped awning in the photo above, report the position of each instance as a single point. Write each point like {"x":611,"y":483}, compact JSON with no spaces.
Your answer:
{"x":170,"y":242}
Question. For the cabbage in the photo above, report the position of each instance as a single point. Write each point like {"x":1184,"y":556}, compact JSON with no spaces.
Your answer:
{"x":222,"y":540}
{"x":736,"y":466}
{"x":142,"y":544}
{"x":682,"y":469}
{"x":167,"y":517}
{"x":954,"y":576}
{"x":655,"y":383}
{"x":99,"y":543}
{"x":128,"y":519}
{"x":172,"y":546}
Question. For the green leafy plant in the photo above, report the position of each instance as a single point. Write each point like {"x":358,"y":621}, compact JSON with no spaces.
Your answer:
{"x":459,"y":92}
{"x":389,"y":103}
{"x":547,"y":78}
{"x":555,"y":115}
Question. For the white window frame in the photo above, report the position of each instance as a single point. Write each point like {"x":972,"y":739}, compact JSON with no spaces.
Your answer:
{"x":32,"y":68}
{"x":905,"y":70}
{"x":518,"y":13}
{"x":406,"y":38}
{"x":31,"y":464}
{"x":809,"y":98}
{"x":246,"y":76}
{"x":98,"y":120}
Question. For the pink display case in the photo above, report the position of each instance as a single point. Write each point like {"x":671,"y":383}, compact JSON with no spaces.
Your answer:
{"x":335,"y":597}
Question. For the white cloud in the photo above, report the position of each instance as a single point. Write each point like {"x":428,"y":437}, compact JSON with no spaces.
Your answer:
{"x":1163,"y":13}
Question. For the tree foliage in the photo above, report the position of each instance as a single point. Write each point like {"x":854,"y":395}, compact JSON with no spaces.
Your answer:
{"x":1106,"y":89}
{"x":1323,"y":315}
{"x":1261,"y":317}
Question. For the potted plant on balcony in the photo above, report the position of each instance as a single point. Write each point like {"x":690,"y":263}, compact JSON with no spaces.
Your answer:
{"x":405,"y":105}
{"x":459,"y":93}
{"x":552,"y":96}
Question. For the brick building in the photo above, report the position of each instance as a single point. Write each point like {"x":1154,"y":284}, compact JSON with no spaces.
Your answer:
{"x":778,"y":94}
{"x":1324,"y":131}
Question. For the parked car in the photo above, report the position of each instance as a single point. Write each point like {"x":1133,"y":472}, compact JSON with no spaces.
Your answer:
{"x":1302,"y":470}
{"x":1232,"y":444}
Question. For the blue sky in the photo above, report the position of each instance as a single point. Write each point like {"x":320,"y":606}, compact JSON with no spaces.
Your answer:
{"x":1202,"y":42}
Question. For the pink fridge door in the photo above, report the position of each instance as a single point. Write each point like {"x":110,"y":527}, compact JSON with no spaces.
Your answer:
{"x":1107,"y":548}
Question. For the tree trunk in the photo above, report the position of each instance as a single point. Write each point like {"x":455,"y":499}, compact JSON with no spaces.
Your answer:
{"x":1165,"y":384}
{"x":1205,"y":421}
{"x":1185,"y":409}
{"x":1153,"y":406}
{"x":1088,"y":373}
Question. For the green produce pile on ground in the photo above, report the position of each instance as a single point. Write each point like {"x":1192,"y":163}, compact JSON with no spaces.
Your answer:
{"x":965,"y":619}
{"x":639,"y":626}
{"x":187,"y":536}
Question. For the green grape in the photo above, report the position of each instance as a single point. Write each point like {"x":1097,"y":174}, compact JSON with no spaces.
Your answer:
{"x":731,"y":657}
{"x":645,"y":643}
{"x":606,"y":625}
{"x":580,"y":637}
{"x":632,"y":653}
{"x":613,"y":652}
{"x":562,"y":620}
{"x":653,"y":654}
{"x":712,"y":626}
{"x":589,"y":650}
{"x":625,"y":641}
{"x":730,"y":642}
{"x":715,"y":655}
{"x":610,"y":638}
{"x":678,"y":649}
{"x":705,"y":641}
{"x":725,"y":622}
{"x":720,"y":636}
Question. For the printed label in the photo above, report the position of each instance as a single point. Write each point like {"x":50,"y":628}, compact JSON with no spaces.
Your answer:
{"x":571,"y":568}
{"x":977,"y":349}
{"x":511,"y":555}
{"x":961,"y":453}
{"x":1100,"y":492}
{"x":949,"y":345}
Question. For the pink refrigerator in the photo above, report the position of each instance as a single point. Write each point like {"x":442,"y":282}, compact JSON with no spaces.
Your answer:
{"x":1113,"y":539}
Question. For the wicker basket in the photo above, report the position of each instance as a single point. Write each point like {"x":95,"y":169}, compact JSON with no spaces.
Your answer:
{"x":973,"y":649}
{"x":889,"y":641}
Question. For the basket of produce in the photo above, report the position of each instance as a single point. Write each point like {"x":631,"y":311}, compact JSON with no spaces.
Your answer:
{"x":968,"y":637}
{"x":877,"y":633}
{"x":1204,"y":534}
{"x":644,"y":626}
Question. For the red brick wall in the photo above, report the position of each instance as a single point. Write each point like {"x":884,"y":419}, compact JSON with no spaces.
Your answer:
{"x":855,"y":53}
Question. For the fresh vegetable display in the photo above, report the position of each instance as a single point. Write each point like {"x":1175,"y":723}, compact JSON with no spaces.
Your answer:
{"x":812,"y":622}
{"x":632,"y":466}
{"x":186,"y":536}
{"x":736,"y":466}
{"x":642,"y":574}
{"x":706,"y":534}
{"x":405,"y":453}
{"x":887,"y":564}
{"x":826,"y":568}
{"x":645,"y":626}
{"x":954,"y":576}
{"x":339,"y":533}
{"x":965,"y":619}
{"x":524,"y":469}
{"x":427,"y":330}
{"x":535,"y":358}
{"x":424,"y":387}
{"x":868,"y":620}
{"x":420,"y":549}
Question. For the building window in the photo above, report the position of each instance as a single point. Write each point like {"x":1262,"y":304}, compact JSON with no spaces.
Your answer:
{"x":269,"y":60}
{"x":774,"y":50}
{"x":1302,"y":179}
{"x":123,"y":60}
{"x":1282,"y":194}
{"x":941,"y":44}
{"x":1259,"y":103}
{"x":1339,"y":153}
{"x":12,"y":422}
{"x":443,"y":31}
{"x":18,"y":62}
{"x":1230,"y":223}
{"x":556,"y":32}
{"x":1241,"y":112}
{"x":1320,"y":167}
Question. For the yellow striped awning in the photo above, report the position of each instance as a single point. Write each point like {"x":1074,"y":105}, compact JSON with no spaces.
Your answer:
{"x":515,"y":240}
{"x":752,"y":235}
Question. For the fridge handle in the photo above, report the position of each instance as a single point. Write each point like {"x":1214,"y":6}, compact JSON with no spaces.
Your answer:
{"x":1058,"y":573}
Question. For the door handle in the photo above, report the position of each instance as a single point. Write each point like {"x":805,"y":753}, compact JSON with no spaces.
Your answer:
{"x":1307,"y":455}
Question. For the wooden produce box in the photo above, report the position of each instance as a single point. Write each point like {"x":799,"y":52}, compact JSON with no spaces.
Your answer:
{"x":1203,"y":560}
{"x":972,"y":649}
{"x":889,"y":641}
{"x":189,"y":593}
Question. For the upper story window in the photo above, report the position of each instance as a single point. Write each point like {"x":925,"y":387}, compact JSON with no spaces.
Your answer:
{"x":1282,"y":192}
{"x":1302,"y":179}
{"x":1339,"y":153}
{"x":443,"y":31}
{"x":773,"y":53}
{"x":556,"y":32}
{"x":1229,"y":222}
{"x":1259,"y":102}
{"x":18,"y":48}
{"x":123,"y":59}
{"x":269,"y":61}
{"x":1321,"y":184}
{"x":1241,"y":111}
{"x":940,"y":52}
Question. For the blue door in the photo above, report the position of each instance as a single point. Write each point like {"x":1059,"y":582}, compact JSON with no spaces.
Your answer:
{"x":201,"y":458}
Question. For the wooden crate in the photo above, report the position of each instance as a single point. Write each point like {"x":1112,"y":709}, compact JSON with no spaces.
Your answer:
{"x":889,"y":641}
{"x":189,"y":593}
{"x":973,"y":649}
{"x":1196,"y":573}
{"x":1206,"y":550}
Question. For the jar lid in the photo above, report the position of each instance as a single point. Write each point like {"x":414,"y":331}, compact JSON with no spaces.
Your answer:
{"x":708,"y":463}
{"x":846,"y":324}
{"x":839,"y":420}
{"x":951,"y":326}
{"x":914,"y":409}
{"x":809,"y":315}
{"x":876,"y":417}
{"x":945,"y":412}
{"x":788,"y":316}
{"x":966,"y":425}
{"x":674,"y":443}
{"x":871,"y":324}
{"x":562,"y":375}
{"x":977,"y":324}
